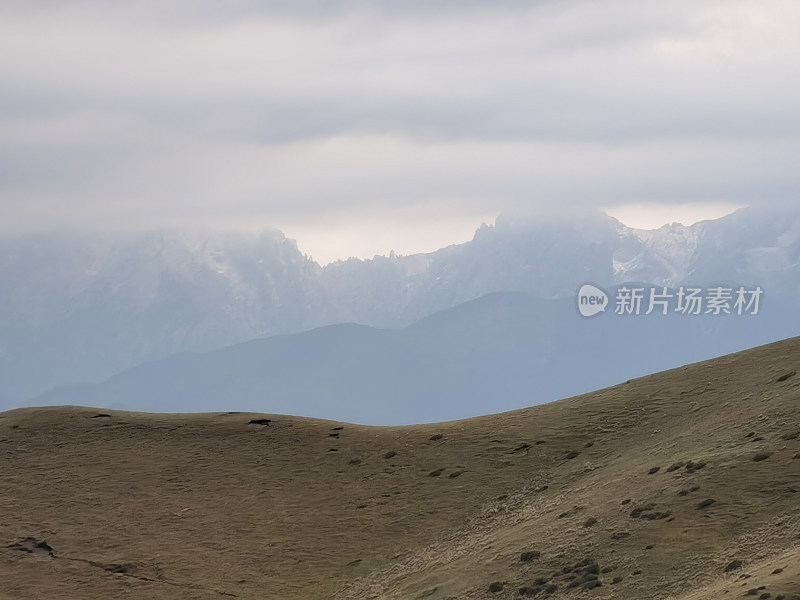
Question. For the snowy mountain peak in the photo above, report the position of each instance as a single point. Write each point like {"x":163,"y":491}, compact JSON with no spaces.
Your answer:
{"x":80,"y":307}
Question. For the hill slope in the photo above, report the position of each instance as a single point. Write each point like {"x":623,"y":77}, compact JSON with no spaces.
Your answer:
{"x":545,"y":500}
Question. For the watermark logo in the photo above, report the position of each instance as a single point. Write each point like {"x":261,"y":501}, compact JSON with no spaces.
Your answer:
{"x":591,"y":300}
{"x":635,"y":301}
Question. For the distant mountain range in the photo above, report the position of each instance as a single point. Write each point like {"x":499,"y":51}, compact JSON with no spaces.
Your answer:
{"x":500,"y":352}
{"x":79,"y":308}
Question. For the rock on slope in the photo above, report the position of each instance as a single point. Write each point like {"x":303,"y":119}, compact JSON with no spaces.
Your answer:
{"x":680,"y":485}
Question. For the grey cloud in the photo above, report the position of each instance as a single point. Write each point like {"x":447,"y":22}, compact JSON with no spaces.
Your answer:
{"x":184,"y":111}
{"x":197,"y":12}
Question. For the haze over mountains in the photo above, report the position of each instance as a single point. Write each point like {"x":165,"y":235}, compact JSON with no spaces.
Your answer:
{"x":78,"y":308}
{"x":500,"y":352}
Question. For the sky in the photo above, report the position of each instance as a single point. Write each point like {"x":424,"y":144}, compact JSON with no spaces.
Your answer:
{"x":360,"y":127}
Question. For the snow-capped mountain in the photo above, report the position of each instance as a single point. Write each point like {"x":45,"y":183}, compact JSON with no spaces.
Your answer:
{"x":550,"y":258}
{"x":75,"y":307}
{"x":78,"y":307}
{"x":670,"y":248}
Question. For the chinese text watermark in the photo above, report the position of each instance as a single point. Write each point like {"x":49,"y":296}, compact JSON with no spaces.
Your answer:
{"x":633,"y":301}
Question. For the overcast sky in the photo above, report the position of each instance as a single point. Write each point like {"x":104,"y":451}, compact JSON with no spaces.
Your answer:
{"x":358,"y":127}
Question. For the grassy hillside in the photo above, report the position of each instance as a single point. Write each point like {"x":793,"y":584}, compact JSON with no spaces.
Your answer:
{"x":681,"y":485}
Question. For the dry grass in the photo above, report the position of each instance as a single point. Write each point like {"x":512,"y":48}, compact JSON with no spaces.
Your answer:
{"x":211,"y":506}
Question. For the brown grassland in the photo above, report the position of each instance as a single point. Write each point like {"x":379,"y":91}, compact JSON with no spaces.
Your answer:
{"x":683,"y":485}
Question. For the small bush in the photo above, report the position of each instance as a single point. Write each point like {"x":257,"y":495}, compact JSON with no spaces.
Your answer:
{"x":733,"y":566}
{"x":529,"y":556}
{"x":496,"y":587}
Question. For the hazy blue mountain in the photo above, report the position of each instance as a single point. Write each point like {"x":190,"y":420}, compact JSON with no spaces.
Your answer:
{"x":499,"y":352}
{"x":79,"y":307}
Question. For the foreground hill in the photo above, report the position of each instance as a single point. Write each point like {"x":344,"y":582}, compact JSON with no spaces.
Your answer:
{"x":500,"y":352}
{"x":681,"y":485}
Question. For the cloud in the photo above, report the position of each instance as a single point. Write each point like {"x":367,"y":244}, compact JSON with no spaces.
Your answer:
{"x":139,"y":114}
